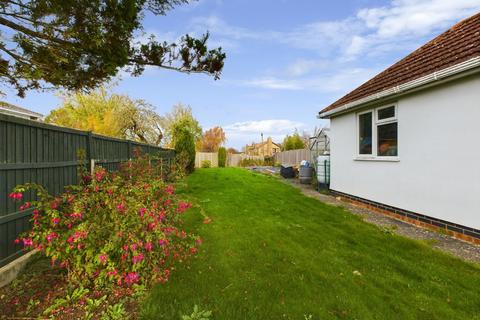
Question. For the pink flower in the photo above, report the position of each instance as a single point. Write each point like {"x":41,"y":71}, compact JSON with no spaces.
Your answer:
{"x":17,"y":241}
{"x":182,"y":206}
{"x":131,"y":277}
{"x":162,"y":242}
{"x":26,"y":205}
{"x":15,"y":195}
{"x":54,"y":205}
{"x":102,"y":258}
{"x":51,"y":236}
{"x":142,"y":211}
{"x":70,"y":239}
{"x":199,"y":241}
{"x":76,"y":215}
{"x":99,"y":175}
{"x":148,"y":246}
{"x":112,"y":273}
{"x":137,"y":259}
{"x":121,"y":207}
{"x":168,"y":202}
{"x":55,"y":220}
{"x":27,"y":242}
{"x":169,"y":189}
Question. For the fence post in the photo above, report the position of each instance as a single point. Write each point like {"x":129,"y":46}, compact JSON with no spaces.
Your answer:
{"x":91,"y":162}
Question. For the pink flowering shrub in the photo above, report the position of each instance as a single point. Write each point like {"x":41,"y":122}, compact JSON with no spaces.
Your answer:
{"x":114,"y":228}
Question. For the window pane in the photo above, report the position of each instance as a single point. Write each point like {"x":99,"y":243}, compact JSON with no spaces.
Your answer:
{"x":387,"y":140}
{"x":365,"y":134}
{"x":386,"y":113}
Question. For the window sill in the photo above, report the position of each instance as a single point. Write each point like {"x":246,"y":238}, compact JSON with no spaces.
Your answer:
{"x":381,"y":159}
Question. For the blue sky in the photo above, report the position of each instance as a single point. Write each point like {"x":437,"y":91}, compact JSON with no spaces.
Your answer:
{"x":286,"y":59}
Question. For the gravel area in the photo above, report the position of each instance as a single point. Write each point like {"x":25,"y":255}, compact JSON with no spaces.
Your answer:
{"x":446,"y":243}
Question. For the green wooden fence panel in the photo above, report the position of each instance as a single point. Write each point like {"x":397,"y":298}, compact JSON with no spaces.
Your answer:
{"x":36,"y":152}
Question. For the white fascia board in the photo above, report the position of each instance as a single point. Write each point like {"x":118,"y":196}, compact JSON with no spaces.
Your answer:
{"x":407,"y":86}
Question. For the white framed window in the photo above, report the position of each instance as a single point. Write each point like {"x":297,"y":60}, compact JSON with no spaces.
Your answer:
{"x":377,"y":134}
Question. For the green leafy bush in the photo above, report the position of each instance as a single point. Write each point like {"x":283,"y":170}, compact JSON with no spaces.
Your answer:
{"x":114,"y":229}
{"x":206,"y":164}
{"x":222,"y":157}
{"x":185,"y":149}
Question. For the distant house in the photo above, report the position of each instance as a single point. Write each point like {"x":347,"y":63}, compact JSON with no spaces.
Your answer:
{"x":267,"y":148}
{"x":12,"y":110}
{"x":407,"y":140}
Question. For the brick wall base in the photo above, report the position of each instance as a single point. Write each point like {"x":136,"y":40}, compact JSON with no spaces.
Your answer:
{"x":455,"y":230}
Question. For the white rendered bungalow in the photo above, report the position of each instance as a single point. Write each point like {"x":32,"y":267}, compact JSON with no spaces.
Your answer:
{"x":408,"y":140}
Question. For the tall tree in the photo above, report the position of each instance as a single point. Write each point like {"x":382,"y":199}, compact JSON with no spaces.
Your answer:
{"x":113,"y":115}
{"x":79,"y":44}
{"x":212,"y":139}
{"x":181,"y":117}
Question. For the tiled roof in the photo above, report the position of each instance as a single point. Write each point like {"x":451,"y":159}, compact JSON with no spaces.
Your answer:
{"x":460,"y":43}
{"x":14,"y":108}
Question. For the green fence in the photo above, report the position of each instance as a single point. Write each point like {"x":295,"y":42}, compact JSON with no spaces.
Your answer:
{"x":31,"y":151}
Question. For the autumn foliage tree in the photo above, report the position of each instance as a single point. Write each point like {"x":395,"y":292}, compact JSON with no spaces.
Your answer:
{"x":81,"y":44}
{"x":212,"y":140}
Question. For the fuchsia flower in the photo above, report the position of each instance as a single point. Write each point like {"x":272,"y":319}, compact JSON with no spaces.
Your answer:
{"x":27,"y":242}
{"x":169,"y":189}
{"x":148,"y":246}
{"x":17,"y":241}
{"x":51,"y":236}
{"x":112,"y":273}
{"x":142,"y":211}
{"x":76,"y":215}
{"x":162,"y":242}
{"x":137,"y":259}
{"x":131,"y":277}
{"x":54,"y":204}
{"x":24,"y":206}
{"x":55,"y":220}
{"x":121,"y":207}
{"x":182,"y":206}
{"x":15,"y":195}
{"x":102,"y":258}
{"x":71,"y":239}
{"x":99,"y":175}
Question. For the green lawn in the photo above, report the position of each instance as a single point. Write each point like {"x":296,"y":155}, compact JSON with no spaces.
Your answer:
{"x":272,"y":253}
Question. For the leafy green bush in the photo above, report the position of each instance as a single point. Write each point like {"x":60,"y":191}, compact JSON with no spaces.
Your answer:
{"x":185,"y":149}
{"x":206,"y":164}
{"x":222,"y":157}
{"x":114,"y":229}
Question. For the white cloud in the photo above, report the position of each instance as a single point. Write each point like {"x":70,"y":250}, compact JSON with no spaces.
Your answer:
{"x":265,"y":126}
{"x":335,"y":81}
{"x":400,"y":21}
{"x":303,"y":67}
{"x":250,"y":131}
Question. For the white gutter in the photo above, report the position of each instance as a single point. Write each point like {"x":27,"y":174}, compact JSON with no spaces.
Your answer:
{"x":414,"y":84}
